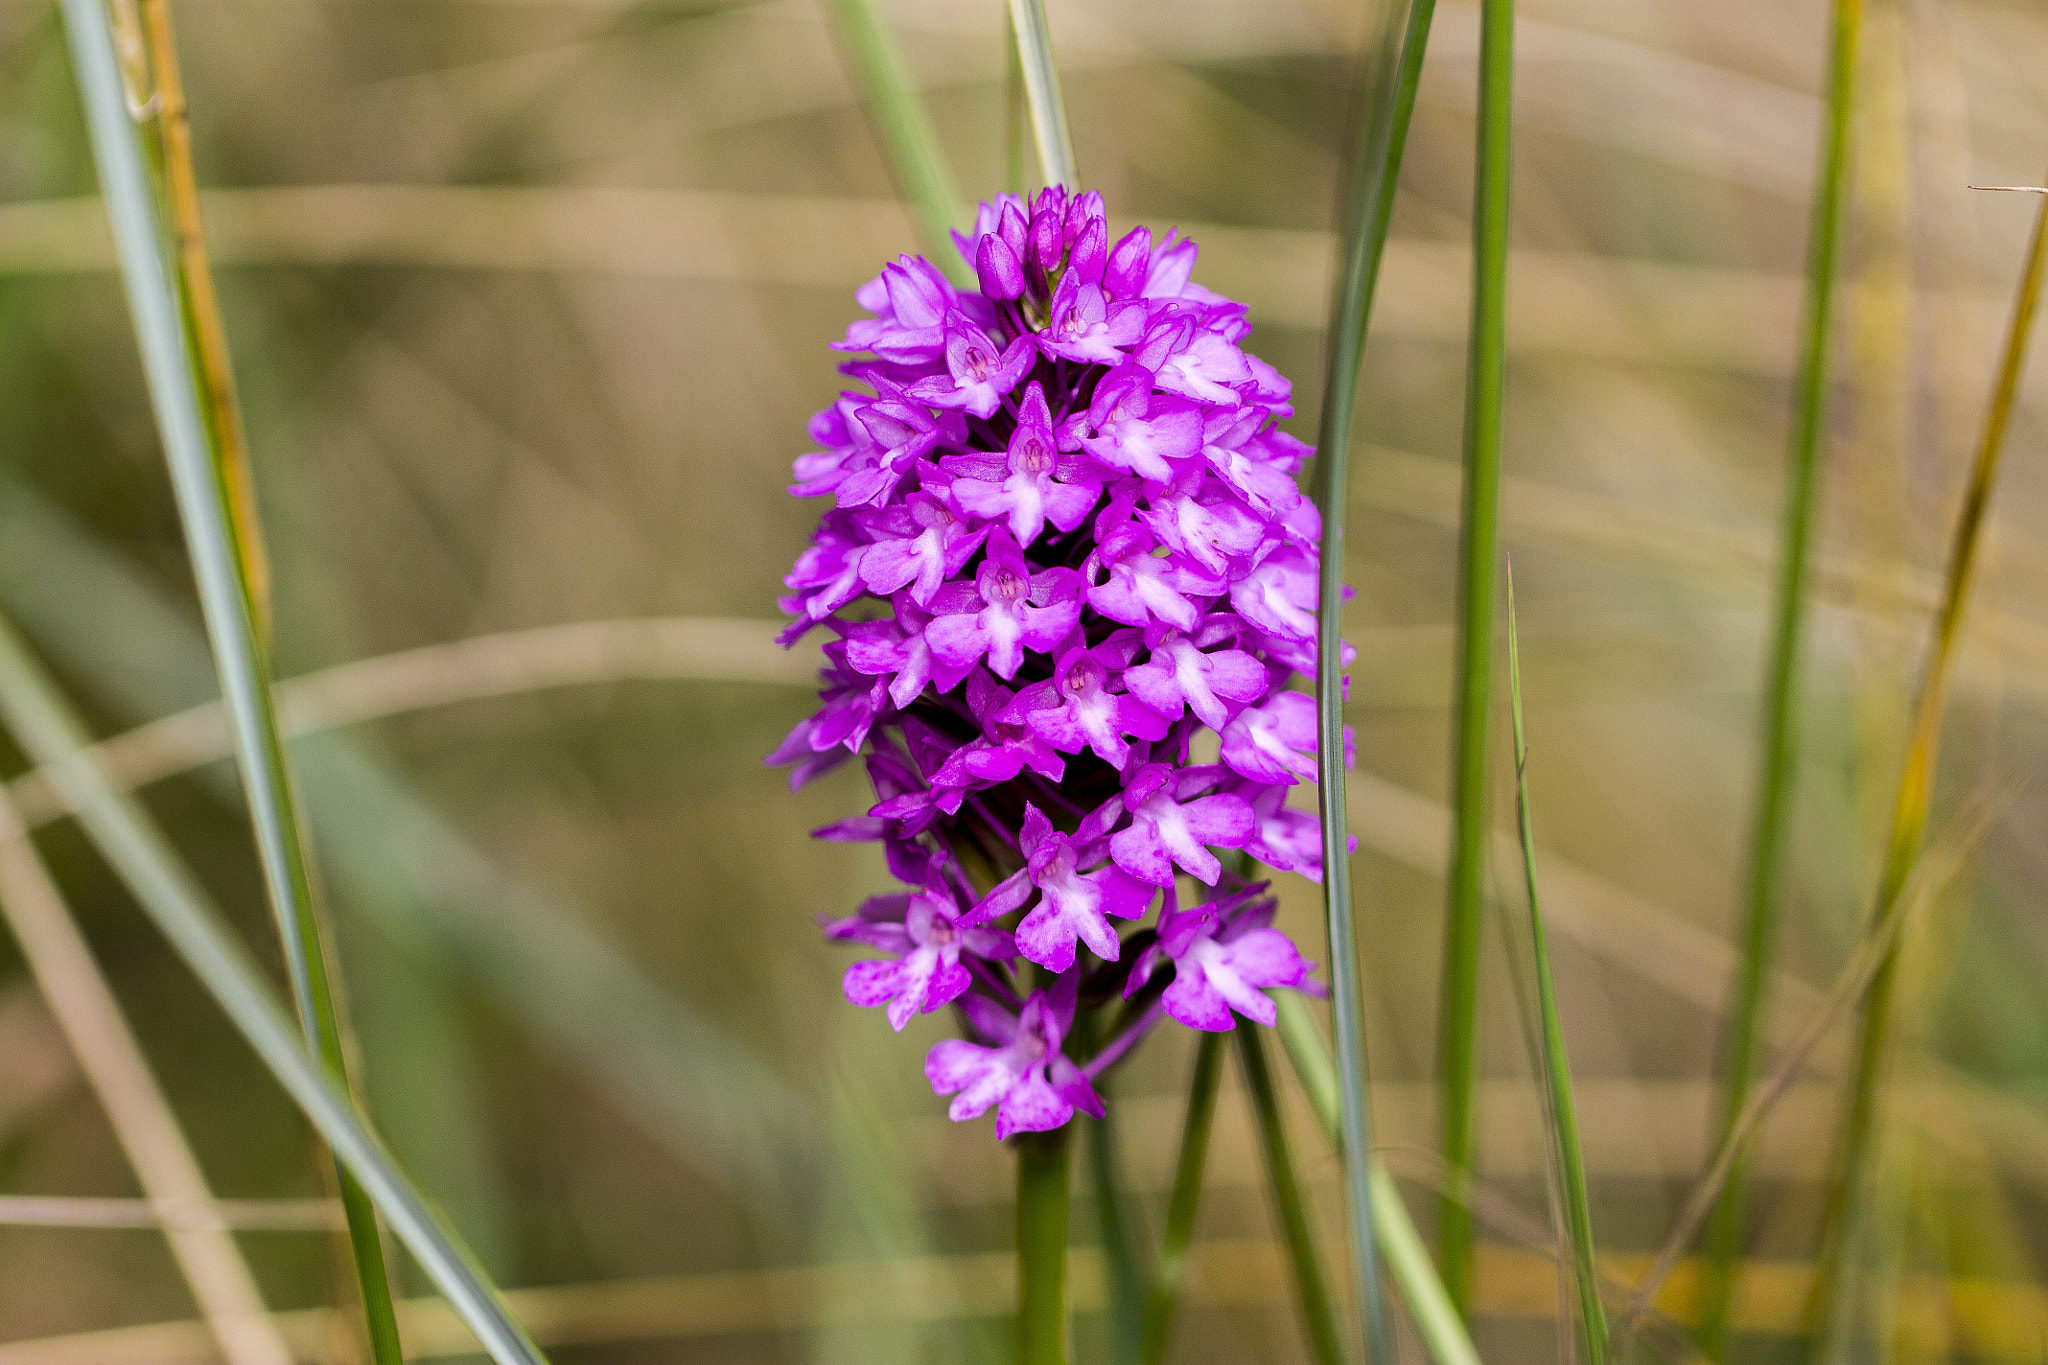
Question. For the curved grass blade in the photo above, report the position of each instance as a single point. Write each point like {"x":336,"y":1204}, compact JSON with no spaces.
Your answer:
{"x":1478,"y":570}
{"x":1557,"y":1074}
{"x":1311,"y":1286}
{"x":1930,"y":876}
{"x":1408,"y":1261}
{"x":1909,"y":811}
{"x":1185,"y":1200}
{"x":101,"y":1038}
{"x":1386,"y":104}
{"x":1128,"y":1291}
{"x":1778,"y":761}
{"x":914,"y":153}
{"x":47,"y":731}
{"x":1042,"y":93}
{"x":220,"y":565}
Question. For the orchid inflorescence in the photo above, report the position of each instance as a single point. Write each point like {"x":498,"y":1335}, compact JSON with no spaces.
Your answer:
{"x":1067,"y":544}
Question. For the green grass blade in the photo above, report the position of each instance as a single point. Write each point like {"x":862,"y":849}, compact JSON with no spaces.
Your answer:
{"x":1557,"y":1072}
{"x":1042,"y":93}
{"x":1478,"y":570}
{"x":1386,"y":105}
{"x":178,"y":395}
{"x":1850,"y":1183}
{"x":1124,"y":1270}
{"x":1043,"y":1160}
{"x":1408,"y":1262}
{"x":47,"y":731}
{"x":922,"y":171}
{"x":1311,"y":1285}
{"x":1185,"y":1200}
{"x":1778,"y":761}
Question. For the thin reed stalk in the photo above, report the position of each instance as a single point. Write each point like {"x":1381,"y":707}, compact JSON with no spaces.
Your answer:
{"x":1386,"y":104}
{"x":1876,"y":1021}
{"x":45,"y":728}
{"x":1042,"y":1172}
{"x":1042,"y":93}
{"x":1304,"y":1254}
{"x":1185,"y":1200}
{"x":221,"y":566}
{"x":923,"y":174}
{"x":1557,"y":1074}
{"x":1778,"y":760}
{"x":1478,"y":569}
{"x":143,"y":1121}
{"x":1128,"y":1290}
{"x":1436,"y":1318}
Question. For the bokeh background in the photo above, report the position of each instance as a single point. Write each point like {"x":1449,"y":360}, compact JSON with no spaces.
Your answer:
{"x":529,"y":301}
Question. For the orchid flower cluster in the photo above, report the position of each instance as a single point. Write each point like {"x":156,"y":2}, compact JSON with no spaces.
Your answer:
{"x":1066,"y":554}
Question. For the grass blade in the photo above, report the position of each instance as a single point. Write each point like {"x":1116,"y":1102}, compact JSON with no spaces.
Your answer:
{"x":221,"y":566}
{"x":142,"y":1119}
{"x":1126,"y":1274}
{"x":1386,"y":105}
{"x":1042,"y":93}
{"x":1185,"y":1200}
{"x":1771,"y":832}
{"x":48,"y":732}
{"x":1042,"y":1170}
{"x":1408,"y":1261}
{"x":1478,"y":569}
{"x":914,"y":154}
{"x":1557,"y":1073}
{"x":1916,"y":783}
{"x":1311,"y":1286}
{"x":1929,"y":877}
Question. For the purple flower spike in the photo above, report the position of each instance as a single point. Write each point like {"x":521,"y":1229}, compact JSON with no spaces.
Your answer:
{"x":927,"y":973}
{"x":1167,"y":828}
{"x":1033,"y":1085}
{"x":1072,"y":904}
{"x":1065,"y":551}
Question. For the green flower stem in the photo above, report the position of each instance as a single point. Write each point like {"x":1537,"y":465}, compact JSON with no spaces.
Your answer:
{"x":922,"y":171}
{"x":1042,"y":93}
{"x":1436,"y":1318}
{"x":1042,"y":1164}
{"x":1850,"y":1186}
{"x":45,"y":728}
{"x":179,"y":396}
{"x":1557,"y":1073}
{"x":1778,"y":760}
{"x":1486,"y":381}
{"x":1311,"y":1286}
{"x":1386,"y":106}
{"x":1185,"y":1200}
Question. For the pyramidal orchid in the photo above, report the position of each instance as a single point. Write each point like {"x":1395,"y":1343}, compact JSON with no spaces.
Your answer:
{"x":1063,"y":544}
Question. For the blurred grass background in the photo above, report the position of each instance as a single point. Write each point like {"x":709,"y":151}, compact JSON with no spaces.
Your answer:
{"x":529,"y":302}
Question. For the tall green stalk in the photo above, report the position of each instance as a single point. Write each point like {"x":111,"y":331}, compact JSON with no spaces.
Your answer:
{"x":1386,"y":104}
{"x":1126,"y":1273}
{"x":1042,"y":1169}
{"x":46,"y":729}
{"x":922,"y":171}
{"x":1304,"y":1256}
{"x":1185,"y":1200}
{"x":1778,"y":761}
{"x":1042,"y":93}
{"x":219,"y":560}
{"x":1557,"y":1073}
{"x":1849,"y":1187}
{"x":1478,"y":568}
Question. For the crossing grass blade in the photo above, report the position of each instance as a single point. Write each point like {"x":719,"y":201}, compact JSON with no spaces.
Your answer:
{"x":45,"y":728}
{"x":1042,"y":93}
{"x":1557,"y":1074}
{"x":1184,"y":1201}
{"x":1778,"y":762}
{"x":1429,"y":1305}
{"x":1304,"y":1255}
{"x":1385,"y":106}
{"x":1850,"y":1180}
{"x":914,"y":154}
{"x":1479,"y":536}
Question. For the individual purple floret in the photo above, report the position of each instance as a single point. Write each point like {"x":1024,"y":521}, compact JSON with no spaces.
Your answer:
{"x":1069,"y":583}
